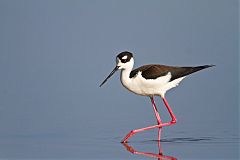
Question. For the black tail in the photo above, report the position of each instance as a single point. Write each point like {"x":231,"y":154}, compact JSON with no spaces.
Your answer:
{"x":198,"y":68}
{"x":184,"y":71}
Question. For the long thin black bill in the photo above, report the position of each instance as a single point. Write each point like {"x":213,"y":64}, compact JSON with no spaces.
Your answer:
{"x":113,"y":71}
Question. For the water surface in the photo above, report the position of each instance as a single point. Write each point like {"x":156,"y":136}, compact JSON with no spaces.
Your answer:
{"x":74,"y":147}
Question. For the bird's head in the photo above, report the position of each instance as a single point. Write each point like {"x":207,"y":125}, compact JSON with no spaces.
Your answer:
{"x":124,"y":60}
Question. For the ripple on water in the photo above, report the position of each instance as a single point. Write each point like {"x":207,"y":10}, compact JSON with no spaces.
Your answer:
{"x":195,"y":140}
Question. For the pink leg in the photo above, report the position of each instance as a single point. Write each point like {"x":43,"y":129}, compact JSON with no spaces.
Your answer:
{"x":144,"y":129}
{"x":156,"y":111}
{"x":147,"y":128}
{"x":159,"y":143}
{"x":139,"y":130}
{"x":174,"y":120}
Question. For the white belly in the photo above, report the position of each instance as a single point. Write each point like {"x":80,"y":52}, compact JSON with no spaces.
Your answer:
{"x":149,"y":87}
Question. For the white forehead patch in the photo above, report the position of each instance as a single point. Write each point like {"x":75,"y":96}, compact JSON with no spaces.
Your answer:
{"x":124,"y":57}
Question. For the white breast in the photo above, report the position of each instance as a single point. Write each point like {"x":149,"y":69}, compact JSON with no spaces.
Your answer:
{"x":149,"y":87}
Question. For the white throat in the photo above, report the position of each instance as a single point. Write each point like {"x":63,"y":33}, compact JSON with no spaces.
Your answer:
{"x":125,"y":74}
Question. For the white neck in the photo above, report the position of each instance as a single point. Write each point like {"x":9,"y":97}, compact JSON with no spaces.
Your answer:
{"x":125,"y":74}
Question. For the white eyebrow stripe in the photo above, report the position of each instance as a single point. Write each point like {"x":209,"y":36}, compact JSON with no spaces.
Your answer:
{"x":124,"y":57}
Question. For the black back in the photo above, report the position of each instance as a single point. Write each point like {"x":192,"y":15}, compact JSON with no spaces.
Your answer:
{"x":154,"y":71}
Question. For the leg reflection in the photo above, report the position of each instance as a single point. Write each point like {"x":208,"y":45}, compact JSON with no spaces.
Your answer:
{"x":159,"y":142}
{"x":159,"y":156}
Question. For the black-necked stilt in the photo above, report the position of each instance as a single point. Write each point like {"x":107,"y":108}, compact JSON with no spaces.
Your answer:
{"x":150,"y":80}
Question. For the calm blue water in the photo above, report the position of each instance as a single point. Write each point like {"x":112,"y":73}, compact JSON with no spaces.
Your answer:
{"x":54,"y":55}
{"x":179,"y":146}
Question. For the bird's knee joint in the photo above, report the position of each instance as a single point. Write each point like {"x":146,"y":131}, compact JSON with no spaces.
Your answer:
{"x":174,"y":121}
{"x":132,"y":132}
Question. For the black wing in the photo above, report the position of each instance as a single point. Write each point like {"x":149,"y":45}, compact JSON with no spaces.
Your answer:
{"x":154,"y":71}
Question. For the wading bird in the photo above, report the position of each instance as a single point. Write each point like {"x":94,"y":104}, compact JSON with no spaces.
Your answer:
{"x":150,"y":80}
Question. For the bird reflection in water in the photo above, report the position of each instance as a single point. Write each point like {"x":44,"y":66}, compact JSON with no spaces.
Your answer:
{"x":159,"y":156}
